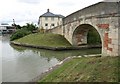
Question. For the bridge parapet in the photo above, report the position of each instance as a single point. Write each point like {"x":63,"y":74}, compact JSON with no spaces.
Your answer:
{"x":97,"y":10}
{"x":56,"y":30}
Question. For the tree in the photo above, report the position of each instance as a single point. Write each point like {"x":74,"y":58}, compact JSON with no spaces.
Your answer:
{"x":18,"y":27}
{"x":30,"y":27}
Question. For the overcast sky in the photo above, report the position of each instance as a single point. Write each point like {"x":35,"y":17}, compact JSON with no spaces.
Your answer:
{"x":27,"y":11}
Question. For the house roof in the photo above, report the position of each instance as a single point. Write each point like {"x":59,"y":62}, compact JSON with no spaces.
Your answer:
{"x":61,"y":16}
{"x":49,"y":14}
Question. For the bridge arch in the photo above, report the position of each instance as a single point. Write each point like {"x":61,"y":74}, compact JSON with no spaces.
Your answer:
{"x":80,"y":34}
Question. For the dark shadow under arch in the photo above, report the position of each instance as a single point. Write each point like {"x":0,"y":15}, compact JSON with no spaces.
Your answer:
{"x":85,"y":34}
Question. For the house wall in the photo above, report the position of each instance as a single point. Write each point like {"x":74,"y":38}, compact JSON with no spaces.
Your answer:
{"x":57,"y":21}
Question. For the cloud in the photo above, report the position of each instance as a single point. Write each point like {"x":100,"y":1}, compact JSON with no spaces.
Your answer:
{"x":30,"y":1}
{"x":66,"y":4}
{"x":20,"y":18}
{"x":24,"y":11}
{"x":111,"y":0}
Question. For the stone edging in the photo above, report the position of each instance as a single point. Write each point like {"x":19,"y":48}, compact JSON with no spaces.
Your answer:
{"x":36,"y":79}
{"x":55,"y":48}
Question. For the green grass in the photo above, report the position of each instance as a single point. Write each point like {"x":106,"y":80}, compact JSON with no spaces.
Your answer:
{"x":50,"y":40}
{"x":91,"y":69}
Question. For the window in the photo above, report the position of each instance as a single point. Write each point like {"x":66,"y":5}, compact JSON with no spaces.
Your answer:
{"x":46,"y":24}
{"x":52,"y":18}
{"x":46,"y":18}
{"x":52,"y":25}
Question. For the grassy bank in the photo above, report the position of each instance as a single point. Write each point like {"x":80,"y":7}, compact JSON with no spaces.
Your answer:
{"x":50,"y":40}
{"x":90,"y":69}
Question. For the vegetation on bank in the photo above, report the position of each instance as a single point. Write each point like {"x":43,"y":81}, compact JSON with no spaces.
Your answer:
{"x":93,"y":37}
{"x":48,"y":39}
{"x":19,"y":34}
{"x":90,"y":69}
{"x":23,"y":31}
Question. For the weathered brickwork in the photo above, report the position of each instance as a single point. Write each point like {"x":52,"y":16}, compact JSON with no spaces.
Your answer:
{"x":103,"y":26}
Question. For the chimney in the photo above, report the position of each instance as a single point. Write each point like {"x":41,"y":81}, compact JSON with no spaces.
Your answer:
{"x":47,"y":10}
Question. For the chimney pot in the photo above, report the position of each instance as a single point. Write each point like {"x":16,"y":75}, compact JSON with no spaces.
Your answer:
{"x":47,"y":10}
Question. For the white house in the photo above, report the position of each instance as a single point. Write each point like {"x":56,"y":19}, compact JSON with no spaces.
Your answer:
{"x":49,"y":20}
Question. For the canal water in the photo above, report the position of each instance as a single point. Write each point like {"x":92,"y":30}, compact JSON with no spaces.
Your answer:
{"x":21,"y":64}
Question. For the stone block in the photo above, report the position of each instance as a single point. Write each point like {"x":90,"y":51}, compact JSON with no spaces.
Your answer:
{"x":108,"y":52}
{"x":110,"y":45}
{"x":115,"y":47}
{"x":119,"y":50}
{"x":114,"y":41}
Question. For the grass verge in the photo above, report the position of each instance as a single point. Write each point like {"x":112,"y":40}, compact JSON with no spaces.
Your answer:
{"x":50,"y":40}
{"x":90,"y":69}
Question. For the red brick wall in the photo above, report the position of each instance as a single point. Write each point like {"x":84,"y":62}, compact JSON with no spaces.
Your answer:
{"x":107,"y":41}
{"x":103,"y":26}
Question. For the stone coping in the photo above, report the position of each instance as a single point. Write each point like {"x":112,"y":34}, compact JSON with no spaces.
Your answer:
{"x":56,"y":48}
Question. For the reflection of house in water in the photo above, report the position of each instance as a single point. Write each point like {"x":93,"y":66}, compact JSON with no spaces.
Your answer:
{"x":6,"y":28}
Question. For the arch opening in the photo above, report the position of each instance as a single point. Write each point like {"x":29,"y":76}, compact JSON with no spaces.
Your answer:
{"x":86,"y":34}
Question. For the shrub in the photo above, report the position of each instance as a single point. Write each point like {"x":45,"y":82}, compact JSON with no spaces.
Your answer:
{"x":19,"y":33}
{"x":93,"y":37}
{"x":30,"y":27}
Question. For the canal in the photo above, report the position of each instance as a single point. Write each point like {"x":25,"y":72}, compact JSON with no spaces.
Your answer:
{"x":20,"y":64}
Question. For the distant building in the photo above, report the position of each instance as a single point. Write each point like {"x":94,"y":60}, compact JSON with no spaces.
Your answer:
{"x":6,"y":28}
{"x":49,"y":20}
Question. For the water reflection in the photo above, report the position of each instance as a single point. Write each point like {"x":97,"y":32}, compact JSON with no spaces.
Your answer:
{"x":21,"y":64}
{"x":60,"y":55}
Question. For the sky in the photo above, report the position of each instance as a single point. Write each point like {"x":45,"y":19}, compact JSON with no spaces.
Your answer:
{"x":28,"y":11}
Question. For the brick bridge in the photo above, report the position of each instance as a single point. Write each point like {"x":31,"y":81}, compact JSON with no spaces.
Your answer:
{"x":104,"y":17}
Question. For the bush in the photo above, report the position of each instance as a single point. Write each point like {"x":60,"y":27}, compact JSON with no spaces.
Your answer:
{"x":19,"y":33}
{"x":93,"y":37}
